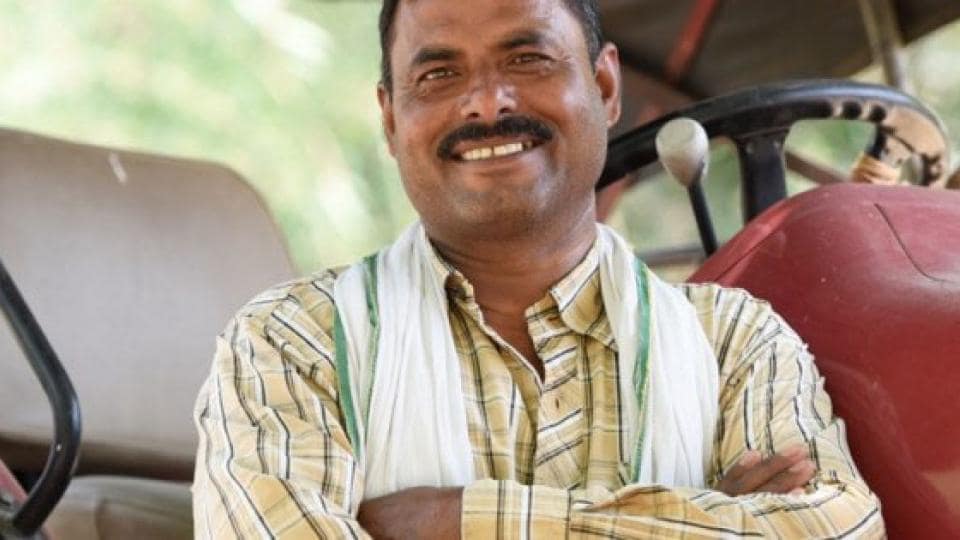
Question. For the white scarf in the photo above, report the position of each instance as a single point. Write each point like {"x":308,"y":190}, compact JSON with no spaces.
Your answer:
{"x":400,"y":381}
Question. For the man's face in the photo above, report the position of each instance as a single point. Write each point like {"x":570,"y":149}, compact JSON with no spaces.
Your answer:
{"x":498,"y":118}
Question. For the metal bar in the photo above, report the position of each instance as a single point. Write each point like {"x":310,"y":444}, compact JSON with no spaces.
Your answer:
{"x":690,"y":40}
{"x":822,"y":175}
{"x":886,"y":45}
{"x":763,"y":170}
{"x":702,"y":213}
{"x":64,"y":451}
{"x":886,"y":40}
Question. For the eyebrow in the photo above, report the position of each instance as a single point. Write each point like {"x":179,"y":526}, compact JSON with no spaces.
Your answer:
{"x":433,"y":54}
{"x":523,"y":38}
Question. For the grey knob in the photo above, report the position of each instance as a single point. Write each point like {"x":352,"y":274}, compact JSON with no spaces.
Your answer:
{"x":684,"y":150}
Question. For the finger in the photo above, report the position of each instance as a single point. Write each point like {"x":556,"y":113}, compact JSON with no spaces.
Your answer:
{"x":790,"y":479}
{"x":728,"y":483}
{"x":751,"y":472}
{"x":749,"y":460}
{"x":766,"y":470}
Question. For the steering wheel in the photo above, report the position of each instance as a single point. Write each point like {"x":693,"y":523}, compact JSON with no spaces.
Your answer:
{"x":757,"y":120}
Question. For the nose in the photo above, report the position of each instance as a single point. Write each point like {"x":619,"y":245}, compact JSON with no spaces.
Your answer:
{"x":488,"y":98}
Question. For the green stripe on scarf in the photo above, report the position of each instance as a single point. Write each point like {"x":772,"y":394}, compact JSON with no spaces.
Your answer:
{"x":343,"y":378}
{"x":373,"y":309}
{"x":641,"y":367}
{"x":347,"y":404}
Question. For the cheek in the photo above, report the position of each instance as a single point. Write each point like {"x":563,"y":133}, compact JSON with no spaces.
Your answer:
{"x":585,"y":124}
{"x":576,"y":102}
{"x":419,"y":134}
{"x":587,"y":135}
{"x":421,"y":115}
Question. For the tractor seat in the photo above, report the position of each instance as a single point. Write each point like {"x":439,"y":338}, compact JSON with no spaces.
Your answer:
{"x":869,"y":276}
{"x":132,"y":264}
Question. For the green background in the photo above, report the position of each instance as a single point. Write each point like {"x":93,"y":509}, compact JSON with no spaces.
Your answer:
{"x":284,"y":93}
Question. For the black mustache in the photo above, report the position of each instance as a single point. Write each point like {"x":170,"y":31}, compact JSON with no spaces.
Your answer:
{"x":509,"y":126}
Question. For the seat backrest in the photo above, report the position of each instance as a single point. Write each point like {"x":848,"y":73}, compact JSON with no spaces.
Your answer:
{"x":132,"y":264}
{"x":869,"y":276}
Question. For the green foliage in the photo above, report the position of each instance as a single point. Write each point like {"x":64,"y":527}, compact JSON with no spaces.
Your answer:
{"x":283,"y":94}
{"x":284,"y":91}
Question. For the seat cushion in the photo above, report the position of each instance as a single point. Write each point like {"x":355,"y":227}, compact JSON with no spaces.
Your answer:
{"x":114,"y":507}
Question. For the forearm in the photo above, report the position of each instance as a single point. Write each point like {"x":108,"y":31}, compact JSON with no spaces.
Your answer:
{"x":421,"y":512}
{"x":505,"y":509}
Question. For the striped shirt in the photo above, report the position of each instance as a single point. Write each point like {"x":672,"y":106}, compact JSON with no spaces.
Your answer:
{"x":275,"y":459}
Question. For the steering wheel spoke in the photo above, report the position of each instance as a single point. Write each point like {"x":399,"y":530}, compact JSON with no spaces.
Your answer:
{"x":762,"y":170}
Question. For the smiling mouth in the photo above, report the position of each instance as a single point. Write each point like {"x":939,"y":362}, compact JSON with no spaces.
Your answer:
{"x":495,"y":151}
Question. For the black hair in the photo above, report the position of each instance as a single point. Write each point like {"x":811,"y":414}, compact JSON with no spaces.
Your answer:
{"x":586,"y":11}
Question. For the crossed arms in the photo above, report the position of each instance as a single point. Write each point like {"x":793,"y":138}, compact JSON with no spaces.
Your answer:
{"x":275,"y":461}
{"x":426,"y":512}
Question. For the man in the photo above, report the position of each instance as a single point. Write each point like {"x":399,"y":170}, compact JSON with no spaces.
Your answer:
{"x":507,"y":370}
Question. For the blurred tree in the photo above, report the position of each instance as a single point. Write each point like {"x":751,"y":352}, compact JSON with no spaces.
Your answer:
{"x":283,"y":90}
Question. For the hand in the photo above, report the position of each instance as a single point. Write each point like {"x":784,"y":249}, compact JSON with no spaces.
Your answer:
{"x":786,"y":472}
{"x":420,"y":512}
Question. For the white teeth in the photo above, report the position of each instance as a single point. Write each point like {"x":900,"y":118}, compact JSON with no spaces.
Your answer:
{"x":478,"y":153}
{"x":507,"y":149}
{"x":496,"y":151}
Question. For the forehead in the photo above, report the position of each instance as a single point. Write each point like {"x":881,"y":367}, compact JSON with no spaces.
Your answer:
{"x":460,"y":24}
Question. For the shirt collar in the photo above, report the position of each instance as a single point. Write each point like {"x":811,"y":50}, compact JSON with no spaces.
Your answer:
{"x":579,"y":300}
{"x":455,"y":282}
{"x":577,"y":296}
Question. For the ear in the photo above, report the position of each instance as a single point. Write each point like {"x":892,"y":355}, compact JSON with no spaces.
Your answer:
{"x":607,"y":74}
{"x":386,"y":116}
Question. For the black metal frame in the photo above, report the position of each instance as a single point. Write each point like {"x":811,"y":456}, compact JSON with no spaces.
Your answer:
{"x":757,"y":121}
{"x":26,"y":520}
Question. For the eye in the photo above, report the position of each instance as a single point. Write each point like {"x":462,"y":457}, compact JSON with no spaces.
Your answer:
{"x":528,"y":58}
{"x":437,"y":74}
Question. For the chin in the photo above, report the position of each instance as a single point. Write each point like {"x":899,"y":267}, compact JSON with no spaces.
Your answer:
{"x":496,"y":188}
{"x":493,"y":219}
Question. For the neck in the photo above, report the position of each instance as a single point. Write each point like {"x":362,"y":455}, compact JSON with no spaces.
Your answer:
{"x":510,"y":273}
